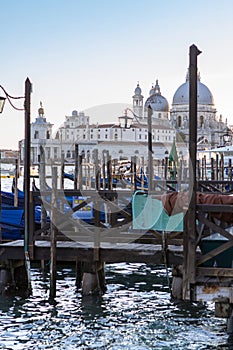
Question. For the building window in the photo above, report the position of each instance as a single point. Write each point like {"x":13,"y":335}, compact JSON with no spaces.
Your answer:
{"x":116,"y":136}
{"x":201,"y":120}
{"x":179,"y":121}
{"x":140,"y":137}
{"x":36,"y":134}
{"x":106,"y":136}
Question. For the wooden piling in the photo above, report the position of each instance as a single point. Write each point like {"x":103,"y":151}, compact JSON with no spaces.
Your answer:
{"x":16,"y":183}
{"x":1,"y":195}
{"x":53,"y":238}
{"x":189,"y":261}
{"x":76,"y":167}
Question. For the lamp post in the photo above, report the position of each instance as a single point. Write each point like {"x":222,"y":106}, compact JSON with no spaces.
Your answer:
{"x":27,"y":141}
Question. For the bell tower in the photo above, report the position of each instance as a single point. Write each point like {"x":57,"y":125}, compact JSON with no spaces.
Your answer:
{"x":138,"y":102}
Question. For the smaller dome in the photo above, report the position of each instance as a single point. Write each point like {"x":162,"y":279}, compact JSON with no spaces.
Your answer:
{"x":157,"y":102}
{"x":152,"y":91}
{"x":138,"y":90}
{"x":74,"y":113}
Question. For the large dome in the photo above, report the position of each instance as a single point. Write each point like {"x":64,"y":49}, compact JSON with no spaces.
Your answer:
{"x":157,"y":102}
{"x":204,"y":96}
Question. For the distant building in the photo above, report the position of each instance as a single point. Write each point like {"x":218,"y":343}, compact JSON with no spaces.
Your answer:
{"x":122,"y":142}
{"x":8,"y":155}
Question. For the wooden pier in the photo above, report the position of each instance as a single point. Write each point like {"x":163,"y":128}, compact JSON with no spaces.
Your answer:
{"x":93,"y":227}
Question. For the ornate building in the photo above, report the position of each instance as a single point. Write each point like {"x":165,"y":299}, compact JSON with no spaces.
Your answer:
{"x":210,"y":127}
{"x":125,"y":141}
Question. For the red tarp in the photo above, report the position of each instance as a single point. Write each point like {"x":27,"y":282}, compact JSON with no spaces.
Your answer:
{"x":177,"y":202}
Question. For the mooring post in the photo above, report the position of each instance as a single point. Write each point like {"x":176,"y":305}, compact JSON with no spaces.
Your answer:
{"x":133,"y":172}
{"x":0,"y":196}
{"x":53,"y":247}
{"x":80,"y":172}
{"x":150,"y":150}
{"x":189,"y":263}
{"x":93,"y":279}
{"x":76,"y":167}
{"x":96,"y":169}
{"x":15,"y":189}
{"x":109,"y":171}
{"x":42,"y":184}
{"x":62,"y":171}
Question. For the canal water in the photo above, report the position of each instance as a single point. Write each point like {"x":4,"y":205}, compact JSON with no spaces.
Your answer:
{"x":136,"y":313}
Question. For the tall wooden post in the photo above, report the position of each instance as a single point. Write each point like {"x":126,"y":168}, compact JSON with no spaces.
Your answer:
{"x":76,"y":169}
{"x":1,"y":195}
{"x":150,"y":150}
{"x":27,"y":159}
{"x":16,"y":183}
{"x":53,"y":247}
{"x":189,"y":267}
{"x":62,"y":171}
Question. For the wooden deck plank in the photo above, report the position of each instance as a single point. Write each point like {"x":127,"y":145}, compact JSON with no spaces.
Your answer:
{"x":84,"y":251}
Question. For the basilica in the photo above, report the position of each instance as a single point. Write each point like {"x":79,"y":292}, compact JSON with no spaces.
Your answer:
{"x":128,"y":136}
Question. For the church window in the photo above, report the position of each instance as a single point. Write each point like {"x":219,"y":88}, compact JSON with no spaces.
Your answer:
{"x":201,"y":120}
{"x":55,"y":152}
{"x":179,"y":121}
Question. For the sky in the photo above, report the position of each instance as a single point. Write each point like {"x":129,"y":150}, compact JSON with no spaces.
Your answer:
{"x":88,"y":55}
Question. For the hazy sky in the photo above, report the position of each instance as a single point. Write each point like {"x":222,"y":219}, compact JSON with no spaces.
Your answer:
{"x":83,"y":53}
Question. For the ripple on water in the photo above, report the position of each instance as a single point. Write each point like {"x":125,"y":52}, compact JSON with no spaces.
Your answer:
{"x":136,"y":313}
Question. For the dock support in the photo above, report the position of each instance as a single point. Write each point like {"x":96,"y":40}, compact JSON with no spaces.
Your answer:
{"x":189,"y":264}
{"x":93,"y":281}
{"x":13,"y":278}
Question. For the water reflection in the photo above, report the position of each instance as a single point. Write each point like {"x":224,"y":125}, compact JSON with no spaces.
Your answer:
{"x":135,"y":313}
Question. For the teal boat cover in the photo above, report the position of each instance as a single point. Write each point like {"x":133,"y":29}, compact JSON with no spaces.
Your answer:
{"x":149,"y":214}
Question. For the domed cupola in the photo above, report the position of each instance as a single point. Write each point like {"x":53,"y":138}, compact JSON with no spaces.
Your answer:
{"x":138,"y":90}
{"x":138,"y":101}
{"x":206,"y":111}
{"x":157,"y":102}
{"x":204,"y":96}
{"x":152,"y":91}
